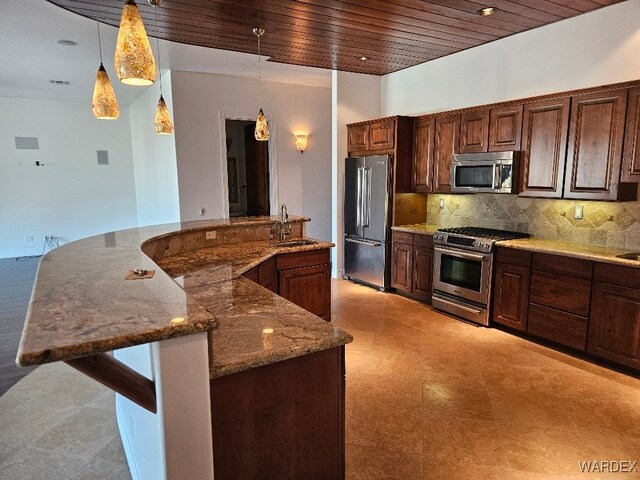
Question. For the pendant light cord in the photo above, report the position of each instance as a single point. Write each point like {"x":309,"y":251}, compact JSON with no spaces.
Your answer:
{"x":99,"y":42}
{"x":259,"y":71}
{"x":155,"y":14}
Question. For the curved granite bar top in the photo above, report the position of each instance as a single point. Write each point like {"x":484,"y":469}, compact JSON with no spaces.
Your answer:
{"x":419,"y":228}
{"x":81,"y":303}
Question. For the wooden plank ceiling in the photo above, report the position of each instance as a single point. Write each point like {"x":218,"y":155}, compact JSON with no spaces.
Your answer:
{"x":391,"y":34}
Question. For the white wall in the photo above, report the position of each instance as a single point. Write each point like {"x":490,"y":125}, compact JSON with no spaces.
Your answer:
{"x":355,"y":97}
{"x":154,"y":157}
{"x":303,"y":181}
{"x":597,"y":48}
{"x":71,"y":196}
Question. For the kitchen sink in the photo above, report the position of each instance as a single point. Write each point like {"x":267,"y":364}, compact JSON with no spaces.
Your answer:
{"x":294,"y":243}
{"x":630,"y":256}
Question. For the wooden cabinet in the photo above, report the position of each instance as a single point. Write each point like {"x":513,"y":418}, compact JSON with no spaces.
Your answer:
{"x":505,"y":128}
{"x":394,"y":136}
{"x":614,"y":325}
{"x":283,"y":420}
{"x":402,"y":266}
{"x":544,"y":141}
{"x":412,"y":264}
{"x":631,"y":153}
{"x":358,"y":138}
{"x":559,"y":299}
{"x":594,"y":154}
{"x":446,"y":144}
{"x":424,"y":137}
{"x":511,"y":288}
{"x":381,"y":134}
{"x":474,"y":131}
{"x":264,"y":275}
{"x":304,"y":278}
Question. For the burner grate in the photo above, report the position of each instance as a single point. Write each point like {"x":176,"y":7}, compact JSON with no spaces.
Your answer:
{"x":480,"y":232}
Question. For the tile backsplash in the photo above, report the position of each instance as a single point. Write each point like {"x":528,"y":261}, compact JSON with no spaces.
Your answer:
{"x":604,"y":223}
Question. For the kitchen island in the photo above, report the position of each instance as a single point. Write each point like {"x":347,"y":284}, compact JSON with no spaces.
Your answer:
{"x":195,"y":345}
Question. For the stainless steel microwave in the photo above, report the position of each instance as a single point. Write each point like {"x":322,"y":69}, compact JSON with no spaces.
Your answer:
{"x":492,"y":172}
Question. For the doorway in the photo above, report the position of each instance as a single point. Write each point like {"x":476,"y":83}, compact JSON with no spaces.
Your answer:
{"x":247,"y":170}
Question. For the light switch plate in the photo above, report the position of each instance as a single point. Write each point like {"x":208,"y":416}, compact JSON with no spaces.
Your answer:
{"x":578,"y":212}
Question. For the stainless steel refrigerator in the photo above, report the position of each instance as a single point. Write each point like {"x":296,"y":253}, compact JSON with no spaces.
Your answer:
{"x":367,"y":219}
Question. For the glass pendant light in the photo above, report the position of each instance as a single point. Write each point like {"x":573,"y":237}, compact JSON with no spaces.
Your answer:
{"x":262,"y":127}
{"x":163,"y":117}
{"x":134,"y":62}
{"x":105,"y":104}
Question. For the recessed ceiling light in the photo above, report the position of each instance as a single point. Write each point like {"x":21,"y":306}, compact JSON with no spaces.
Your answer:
{"x":67,"y":43}
{"x":486,"y":11}
{"x":364,"y":59}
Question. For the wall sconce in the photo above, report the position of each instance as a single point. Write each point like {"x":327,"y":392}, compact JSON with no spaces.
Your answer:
{"x":301,"y":142}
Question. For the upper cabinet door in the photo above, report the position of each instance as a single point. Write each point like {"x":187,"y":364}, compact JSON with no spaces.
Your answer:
{"x":447,"y":140}
{"x":631,"y":155}
{"x":358,"y":138}
{"x":424,"y":138}
{"x":474,"y":131}
{"x":505,"y":128}
{"x":544,"y":145}
{"x":595,"y":145}
{"x":381,"y":134}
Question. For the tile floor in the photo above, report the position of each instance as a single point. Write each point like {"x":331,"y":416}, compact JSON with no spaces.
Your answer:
{"x":428,"y":397}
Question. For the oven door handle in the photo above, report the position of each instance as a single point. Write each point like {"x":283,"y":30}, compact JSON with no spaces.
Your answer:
{"x":461,"y":307}
{"x":458,"y":253}
{"x":497,"y":176}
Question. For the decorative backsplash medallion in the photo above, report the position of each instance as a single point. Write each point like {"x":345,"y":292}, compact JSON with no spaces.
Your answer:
{"x":604,"y":223}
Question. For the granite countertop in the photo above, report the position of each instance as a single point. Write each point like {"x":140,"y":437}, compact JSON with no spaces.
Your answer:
{"x":419,"y":228}
{"x":81,"y":304}
{"x":594,"y":253}
{"x":257,"y":327}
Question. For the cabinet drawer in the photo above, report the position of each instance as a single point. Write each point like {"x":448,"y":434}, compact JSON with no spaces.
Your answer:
{"x":420,"y":240}
{"x":561,"y":291}
{"x":513,"y":256}
{"x":616,"y":274}
{"x":302,"y":259}
{"x":402,"y":237}
{"x":560,"y":327}
{"x":573,"y":267}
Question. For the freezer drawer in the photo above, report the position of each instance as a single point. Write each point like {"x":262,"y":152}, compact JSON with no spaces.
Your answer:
{"x":366,"y":261}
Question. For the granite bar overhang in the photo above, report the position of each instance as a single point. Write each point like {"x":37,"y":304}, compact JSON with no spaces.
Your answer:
{"x":81,"y":303}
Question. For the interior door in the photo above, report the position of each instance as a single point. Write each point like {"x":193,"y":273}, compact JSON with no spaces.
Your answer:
{"x":257,"y":167}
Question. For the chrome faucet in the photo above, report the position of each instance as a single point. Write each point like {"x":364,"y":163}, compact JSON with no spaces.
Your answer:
{"x":283,"y":223}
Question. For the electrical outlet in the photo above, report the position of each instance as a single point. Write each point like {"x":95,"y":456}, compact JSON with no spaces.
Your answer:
{"x":28,"y":238}
{"x":202,"y":211}
{"x":19,"y":163}
{"x":578,"y":212}
{"x":441,"y":203}
{"x":210,"y":235}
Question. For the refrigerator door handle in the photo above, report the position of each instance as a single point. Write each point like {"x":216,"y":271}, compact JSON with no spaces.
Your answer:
{"x":359,"y":199}
{"x":362,"y":242}
{"x":367,"y":201}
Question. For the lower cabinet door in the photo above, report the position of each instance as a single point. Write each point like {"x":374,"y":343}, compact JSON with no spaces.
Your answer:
{"x":308,"y":287}
{"x":402,"y":266}
{"x":614,"y":325}
{"x":423,"y":271}
{"x":511,"y":296}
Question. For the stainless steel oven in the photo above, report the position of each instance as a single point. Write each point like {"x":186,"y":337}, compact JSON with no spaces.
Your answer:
{"x":462,"y":282}
{"x":462,"y":270}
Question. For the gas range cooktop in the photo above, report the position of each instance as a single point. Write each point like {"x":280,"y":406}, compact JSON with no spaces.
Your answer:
{"x":474,"y":238}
